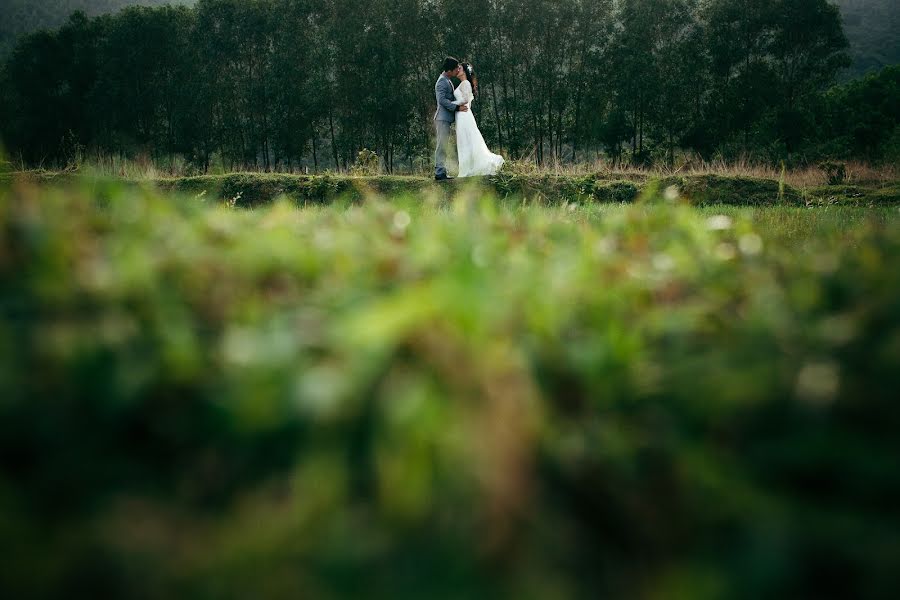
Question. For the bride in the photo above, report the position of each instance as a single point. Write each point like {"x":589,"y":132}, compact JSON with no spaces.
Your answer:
{"x":473,"y":154}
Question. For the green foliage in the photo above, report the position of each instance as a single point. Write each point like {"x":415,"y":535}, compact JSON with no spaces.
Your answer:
{"x":739,"y":191}
{"x":433,"y":399}
{"x":861,"y":118}
{"x":854,"y":195}
{"x":366,"y":163}
{"x":871,"y":25}
{"x":773,"y":58}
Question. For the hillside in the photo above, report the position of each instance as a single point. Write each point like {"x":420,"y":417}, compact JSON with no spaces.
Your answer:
{"x":25,"y":16}
{"x":873,"y":28}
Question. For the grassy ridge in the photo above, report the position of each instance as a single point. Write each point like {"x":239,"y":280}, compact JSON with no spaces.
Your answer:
{"x":427,"y":399}
{"x":254,"y":189}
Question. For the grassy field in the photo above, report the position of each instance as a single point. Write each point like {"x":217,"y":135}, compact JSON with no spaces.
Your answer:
{"x":404,"y":392}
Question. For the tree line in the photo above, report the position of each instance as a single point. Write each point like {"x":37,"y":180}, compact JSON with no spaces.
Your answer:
{"x":288,"y":84}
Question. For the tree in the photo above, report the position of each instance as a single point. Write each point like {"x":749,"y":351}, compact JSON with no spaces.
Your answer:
{"x":808,"y":50}
{"x":739,"y":38}
{"x":140,"y":96}
{"x":51,"y":75}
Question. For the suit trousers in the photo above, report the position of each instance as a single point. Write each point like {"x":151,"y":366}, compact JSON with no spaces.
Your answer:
{"x":440,"y":153}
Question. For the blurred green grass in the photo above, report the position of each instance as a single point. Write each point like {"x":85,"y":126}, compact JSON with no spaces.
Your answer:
{"x":425,"y":396}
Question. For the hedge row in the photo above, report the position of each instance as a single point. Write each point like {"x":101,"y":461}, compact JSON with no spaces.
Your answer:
{"x":255,"y":189}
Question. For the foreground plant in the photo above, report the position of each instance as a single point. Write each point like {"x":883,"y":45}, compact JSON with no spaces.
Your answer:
{"x":403,"y":399}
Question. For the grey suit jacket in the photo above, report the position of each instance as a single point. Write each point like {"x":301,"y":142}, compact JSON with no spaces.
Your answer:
{"x":443,"y":93}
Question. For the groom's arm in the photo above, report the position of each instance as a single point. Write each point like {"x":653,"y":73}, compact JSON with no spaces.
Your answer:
{"x":442,"y":98}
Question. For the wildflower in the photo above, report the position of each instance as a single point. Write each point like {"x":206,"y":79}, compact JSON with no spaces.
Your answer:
{"x":718,"y":223}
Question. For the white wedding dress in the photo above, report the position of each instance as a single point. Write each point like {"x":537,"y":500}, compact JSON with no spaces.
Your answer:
{"x":473,"y":154}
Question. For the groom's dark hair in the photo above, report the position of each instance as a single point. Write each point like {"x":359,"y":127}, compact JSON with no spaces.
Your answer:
{"x":450,"y":63}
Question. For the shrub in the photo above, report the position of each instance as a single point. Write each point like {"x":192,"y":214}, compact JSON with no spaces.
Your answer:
{"x":394,"y":401}
{"x":836,"y":172}
{"x":366,"y":163}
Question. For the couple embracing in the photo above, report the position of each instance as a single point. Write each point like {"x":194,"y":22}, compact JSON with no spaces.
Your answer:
{"x":455,"y":106}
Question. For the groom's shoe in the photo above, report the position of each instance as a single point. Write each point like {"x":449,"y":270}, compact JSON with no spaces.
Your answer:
{"x":443,"y":177}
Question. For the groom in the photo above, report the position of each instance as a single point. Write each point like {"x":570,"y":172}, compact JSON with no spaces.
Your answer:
{"x":444,"y":117}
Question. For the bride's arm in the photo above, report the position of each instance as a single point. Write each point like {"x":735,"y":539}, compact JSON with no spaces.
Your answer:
{"x":466,"y":88}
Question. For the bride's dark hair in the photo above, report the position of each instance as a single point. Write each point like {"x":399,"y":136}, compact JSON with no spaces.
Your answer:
{"x":470,"y":75}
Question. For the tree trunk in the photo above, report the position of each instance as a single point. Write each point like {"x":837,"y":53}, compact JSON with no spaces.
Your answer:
{"x":315,"y":152}
{"x":497,"y":117}
{"x":334,"y":150}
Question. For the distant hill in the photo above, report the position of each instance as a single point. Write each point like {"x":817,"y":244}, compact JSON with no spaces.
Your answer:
{"x":873,"y":28}
{"x":18,"y":17}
